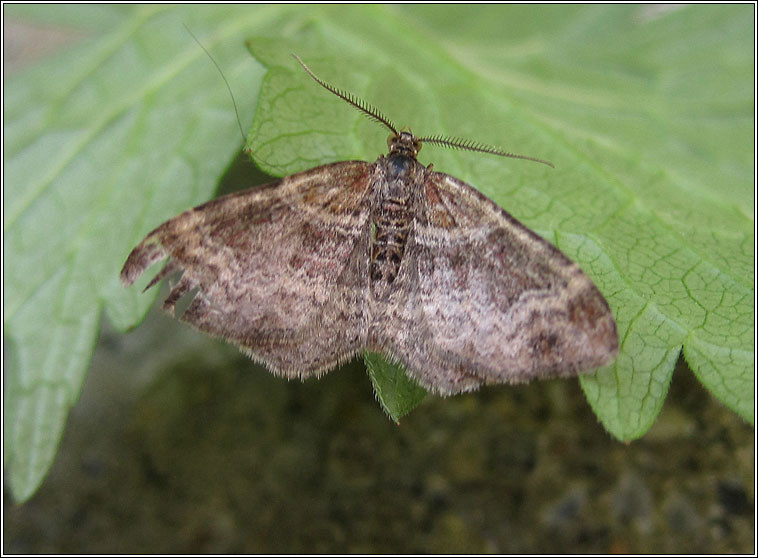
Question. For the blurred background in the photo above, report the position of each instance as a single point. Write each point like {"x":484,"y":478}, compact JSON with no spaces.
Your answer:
{"x":179,"y":444}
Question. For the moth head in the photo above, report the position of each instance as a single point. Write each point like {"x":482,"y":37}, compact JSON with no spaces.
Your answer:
{"x":404,"y":143}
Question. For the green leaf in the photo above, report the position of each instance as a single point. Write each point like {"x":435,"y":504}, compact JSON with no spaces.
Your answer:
{"x":396,"y":392}
{"x":103,"y":141}
{"x":647,"y":114}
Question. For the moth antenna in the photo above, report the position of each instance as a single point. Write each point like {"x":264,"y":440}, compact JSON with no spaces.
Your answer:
{"x":372,"y":112}
{"x":228,"y":87}
{"x":469,"y":145}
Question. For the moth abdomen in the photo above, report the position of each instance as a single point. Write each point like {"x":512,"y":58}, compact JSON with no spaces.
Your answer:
{"x":388,"y":247}
{"x":392,"y":219}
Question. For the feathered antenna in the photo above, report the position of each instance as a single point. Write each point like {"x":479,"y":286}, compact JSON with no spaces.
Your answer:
{"x":361,"y":105}
{"x":468,"y":145}
{"x":377,"y":116}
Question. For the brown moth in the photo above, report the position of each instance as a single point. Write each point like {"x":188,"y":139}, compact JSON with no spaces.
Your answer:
{"x":391,"y":257}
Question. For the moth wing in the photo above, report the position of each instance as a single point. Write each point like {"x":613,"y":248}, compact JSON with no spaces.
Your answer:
{"x":494,"y":301}
{"x":279,"y":270}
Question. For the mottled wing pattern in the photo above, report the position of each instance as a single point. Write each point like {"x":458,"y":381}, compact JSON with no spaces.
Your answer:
{"x":494,"y":302}
{"x":279,"y":270}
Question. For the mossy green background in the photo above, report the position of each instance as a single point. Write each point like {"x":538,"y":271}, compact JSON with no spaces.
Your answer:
{"x":647,"y":114}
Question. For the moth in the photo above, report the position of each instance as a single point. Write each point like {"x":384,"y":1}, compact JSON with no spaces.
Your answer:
{"x":390,"y":257}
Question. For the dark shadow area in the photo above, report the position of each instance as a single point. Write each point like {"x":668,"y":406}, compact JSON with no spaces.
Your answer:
{"x":241,"y":174}
{"x":209,"y":453}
